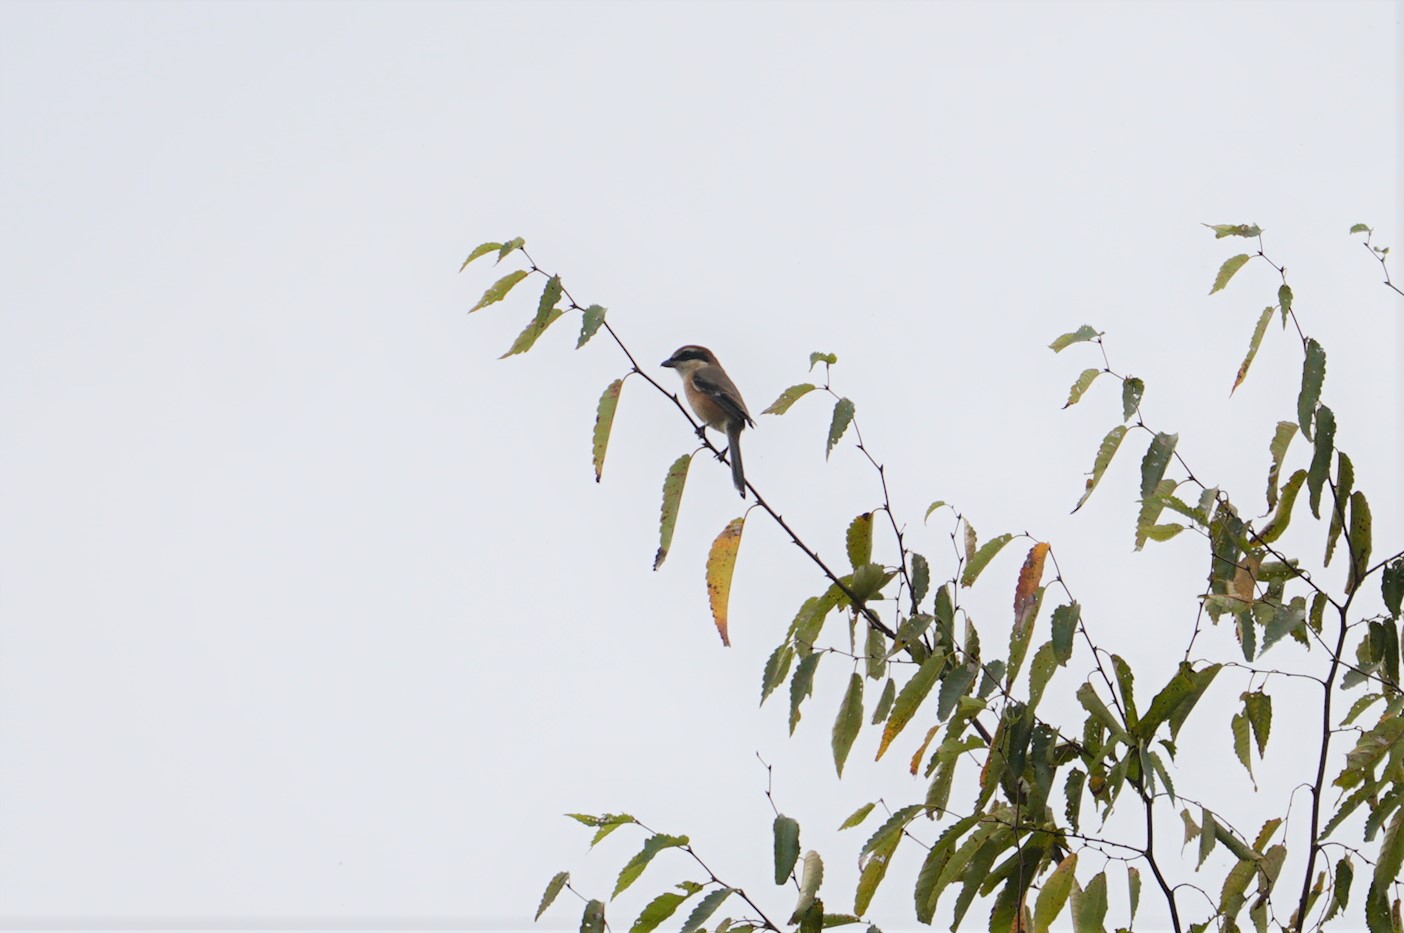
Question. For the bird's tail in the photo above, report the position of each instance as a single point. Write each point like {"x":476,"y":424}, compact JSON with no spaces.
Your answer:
{"x":733,"y":448}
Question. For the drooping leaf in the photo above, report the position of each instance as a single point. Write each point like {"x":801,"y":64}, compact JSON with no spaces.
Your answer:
{"x":1133,"y":886}
{"x":860,"y":540}
{"x":1132,"y":390}
{"x":1313,"y":374}
{"x":934,"y":867}
{"x":828,"y":359}
{"x":1065,"y":619}
{"x":910,"y":698}
{"x":482,"y":250}
{"x":1226,"y":271}
{"x":604,"y":422}
{"x":662,"y":907}
{"x":857,"y":816}
{"x":1030,"y":576}
{"x":884,"y":704}
{"x":1125,"y":683}
{"x":848,"y":721}
{"x":789,"y":397}
{"x":1360,"y":535}
{"x":1054,"y":895}
{"x":1154,"y":463}
{"x":776,"y":668}
{"x":1241,"y":746}
{"x":872,"y":873}
{"x":1391,"y":857}
{"x":1281,"y":438}
{"x":515,"y":243}
{"x":1243,"y":230}
{"x":1392,"y":586}
{"x":1257,"y":706}
{"x":787,"y":832}
{"x":1345,"y":484}
{"x":1320,"y":468}
{"x":499,"y":289}
{"x":636,"y":865}
{"x":721,"y":562}
{"x":1360,"y":228}
{"x":593,"y":919}
{"x":704,"y":910}
{"x":1345,"y":875}
{"x":843,"y":417}
{"x":956,"y":685}
{"x":802,"y":686}
{"x":1080,"y":387}
{"x":921,"y":578}
{"x":1087,"y":696}
{"x":608,"y":824}
{"x":921,"y":749}
{"x":672,"y":498}
{"x":982,"y":557}
{"x":557,"y":883}
{"x":1253,"y":345}
{"x":1105,"y":451}
{"x":1089,"y":906}
{"x":1040,"y":671}
{"x":931,"y":508}
{"x":1180,"y":688}
{"x":1284,"y":301}
{"x":1208,"y":836}
{"x":811,"y":877}
{"x":1283,"y":516}
{"x":590,"y":323}
{"x":1082,"y":334}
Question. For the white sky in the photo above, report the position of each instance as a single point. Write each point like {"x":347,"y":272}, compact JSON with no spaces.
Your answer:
{"x":310,"y":611}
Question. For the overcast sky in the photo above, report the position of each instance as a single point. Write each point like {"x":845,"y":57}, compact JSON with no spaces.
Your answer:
{"x":310,"y":609}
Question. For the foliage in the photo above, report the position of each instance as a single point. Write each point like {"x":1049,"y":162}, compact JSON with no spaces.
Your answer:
{"x":1037,"y":785}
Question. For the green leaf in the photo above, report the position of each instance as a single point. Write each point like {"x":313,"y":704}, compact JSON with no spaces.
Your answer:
{"x":884,"y":704}
{"x":1082,"y":334}
{"x":604,"y":423}
{"x":1345,"y":484}
{"x":1283,"y":516}
{"x":1360,"y":228}
{"x":843,"y":417}
{"x":1313,"y":374}
{"x":1243,"y":230}
{"x":593,"y":919}
{"x":873,"y":871}
{"x":801,"y":686}
{"x":513,"y":244}
{"x":608,"y":824}
{"x":1258,"y":708}
{"x":556,"y":884}
{"x":896,"y":822}
{"x":661,"y":908}
{"x":590,"y":323}
{"x":1040,"y":670}
{"x":1360,"y":545}
{"x":868,"y":580}
{"x":1132,"y":390}
{"x":1226,"y":271}
{"x":1162,"y":532}
{"x":1054,"y":895}
{"x":848,"y":721}
{"x":1253,"y":344}
{"x":1154,"y":463}
{"x":1072,"y":791}
{"x":1105,"y":451}
{"x":704,"y":909}
{"x":921,"y":578}
{"x":931,"y":508}
{"x":1320,"y":467}
{"x":499,"y":289}
{"x":1391,"y":854}
{"x":1345,"y":875}
{"x":482,"y":250}
{"x":1133,"y":886}
{"x":956,"y":685}
{"x":912,"y":695}
{"x":1065,"y":619}
{"x":1087,"y":696}
{"x":982,"y":557}
{"x":860,"y":540}
{"x":787,"y":832}
{"x":1203,"y":678}
{"x":1241,"y":746}
{"x":857,"y":816}
{"x":1284,"y":301}
{"x":1125,"y":682}
{"x":1392,"y":586}
{"x":776,"y":668}
{"x":1208,"y":836}
{"x":828,"y":359}
{"x":933,"y":867}
{"x":1089,"y":907}
{"x":636,"y":865}
{"x":789,"y":397}
{"x":1281,"y":438}
{"x":811,"y":877}
{"x":1180,"y":688}
{"x":1080,"y":387}
{"x":672,"y":498}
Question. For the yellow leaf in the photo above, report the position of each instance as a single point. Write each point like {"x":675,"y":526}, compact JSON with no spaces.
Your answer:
{"x":721,"y":561}
{"x":1029,"y":578}
{"x":916,"y":759}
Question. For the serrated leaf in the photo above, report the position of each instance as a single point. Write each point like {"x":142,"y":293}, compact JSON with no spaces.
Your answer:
{"x":910,"y":698}
{"x":802,"y":686}
{"x":1105,"y":451}
{"x":1227,"y":270}
{"x":659,"y":909}
{"x":499,"y":289}
{"x":482,"y":250}
{"x":848,"y":721}
{"x":921,"y":578}
{"x":556,"y":884}
{"x":636,"y":865}
{"x":1345,"y":484}
{"x":1241,"y":747}
{"x":1089,"y":906}
{"x":860,"y":540}
{"x":868,"y":580}
{"x":1125,"y":683}
{"x":896,"y":822}
{"x":921,"y":749}
{"x":1324,"y":447}
{"x":1156,"y":460}
{"x":931,"y":508}
{"x":593,"y":918}
{"x":1030,"y":576}
{"x":1054,"y":894}
{"x":1360,"y":538}
{"x":1257,"y":706}
{"x":1283,"y":516}
{"x":721,"y":562}
{"x":811,"y":877}
{"x":1313,"y":374}
{"x":513,"y":244}
{"x":1284,"y":301}
{"x":1133,"y":887}
{"x":1360,"y":228}
{"x":1080,"y":387}
{"x":672,"y":498}
{"x":1202,"y":678}
{"x":982,"y":557}
{"x":1087,"y":696}
{"x":1180,"y":688}
{"x":1243,"y":230}
{"x":857,"y":816}
{"x":590,"y":322}
{"x":704,"y":910}
{"x":956,"y":685}
{"x":873,"y":871}
{"x":1208,"y":836}
{"x":604,"y":423}
{"x":1065,"y":619}
{"x":884,"y":704}
{"x":1082,"y":334}
{"x":1253,"y":345}
{"x":608,"y":824}
{"x":1040,"y":671}
{"x":789,"y":397}
{"x":1391,"y":857}
{"x":1281,"y":438}
{"x":1132,"y":390}
{"x":1392,"y":586}
{"x":787,"y":833}
{"x":843,"y":417}
{"x":815,"y":359}
{"x":776,"y":667}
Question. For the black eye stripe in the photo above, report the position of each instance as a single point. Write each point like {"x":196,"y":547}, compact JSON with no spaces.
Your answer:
{"x":687,"y":355}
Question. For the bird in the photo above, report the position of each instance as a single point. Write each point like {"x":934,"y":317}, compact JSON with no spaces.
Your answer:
{"x":715,"y":399}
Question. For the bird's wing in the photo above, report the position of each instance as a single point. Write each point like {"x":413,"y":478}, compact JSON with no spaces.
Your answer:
{"x":719,"y":388}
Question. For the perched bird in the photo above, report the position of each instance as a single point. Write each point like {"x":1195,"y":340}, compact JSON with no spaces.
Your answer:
{"x":714,"y":398}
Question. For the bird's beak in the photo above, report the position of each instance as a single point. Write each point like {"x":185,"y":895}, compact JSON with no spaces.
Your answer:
{"x":668,"y":363}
